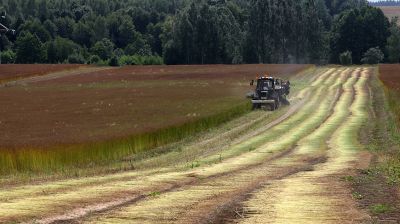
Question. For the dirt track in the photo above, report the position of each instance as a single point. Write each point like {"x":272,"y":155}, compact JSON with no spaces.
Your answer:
{"x":288,"y":170}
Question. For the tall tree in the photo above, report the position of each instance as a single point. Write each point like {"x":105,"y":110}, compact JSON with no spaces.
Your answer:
{"x":357,"y":31}
{"x":393,"y":42}
{"x":258,"y":40}
{"x":314,"y":32}
{"x":30,"y":49}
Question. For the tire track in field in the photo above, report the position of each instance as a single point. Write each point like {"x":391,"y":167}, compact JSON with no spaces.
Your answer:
{"x":53,"y":75}
{"x":176,"y":203}
{"x":319,"y":196}
{"x":119,"y":190}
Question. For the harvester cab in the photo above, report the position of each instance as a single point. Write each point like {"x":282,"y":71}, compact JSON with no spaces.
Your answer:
{"x":270,"y":93}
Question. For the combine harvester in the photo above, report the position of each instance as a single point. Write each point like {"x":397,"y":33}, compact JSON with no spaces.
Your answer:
{"x":270,"y":93}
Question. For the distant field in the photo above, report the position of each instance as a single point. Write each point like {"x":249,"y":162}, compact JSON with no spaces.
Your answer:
{"x":390,"y":76}
{"x":11,"y":72}
{"x":86,"y":110}
{"x":391,"y":11}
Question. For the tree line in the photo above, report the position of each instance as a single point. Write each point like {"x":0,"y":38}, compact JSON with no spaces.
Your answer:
{"x":132,"y":32}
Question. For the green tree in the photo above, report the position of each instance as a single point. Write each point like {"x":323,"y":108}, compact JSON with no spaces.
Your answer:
{"x":76,"y":58}
{"x":94,"y":59}
{"x":138,"y":47}
{"x":205,"y":31}
{"x":51,"y":28}
{"x":113,"y":61}
{"x":393,"y":42}
{"x":65,"y":27}
{"x":373,"y":56}
{"x":104,"y":49}
{"x":314,"y":30}
{"x":100,"y":29}
{"x":346,"y":58}
{"x":35,"y":27}
{"x":29,"y":49}
{"x":82,"y":34}
{"x":258,"y":45}
{"x":359,"y":30}
{"x":43,"y":10}
{"x":29,"y":7}
{"x":59,"y":49}
{"x":126,"y":33}
{"x":51,"y":52}
{"x":8,"y":57}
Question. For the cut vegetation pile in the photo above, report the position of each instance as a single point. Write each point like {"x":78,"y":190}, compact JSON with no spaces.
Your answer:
{"x":94,"y":117}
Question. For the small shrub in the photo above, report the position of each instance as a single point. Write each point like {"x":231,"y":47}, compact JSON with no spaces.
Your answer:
{"x":152,"y":60}
{"x":373,"y":56}
{"x":348,"y":178}
{"x":357,"y":195}
{"x":76,"y":59}
{"x":154,"y":194}
{"x":128,"y":60}
{"x":113,"y":61}
{"x":380,"y":209}
{"x":141,"y":60}
{"x":8,"y":57}
{"x":346,"y":58}
{"x":94,"y":59}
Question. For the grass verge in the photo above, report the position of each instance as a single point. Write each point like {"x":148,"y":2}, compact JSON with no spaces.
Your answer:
{"x":377,"y":188}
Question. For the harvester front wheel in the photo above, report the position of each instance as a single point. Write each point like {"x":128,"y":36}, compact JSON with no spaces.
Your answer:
{"x":255,"y":106}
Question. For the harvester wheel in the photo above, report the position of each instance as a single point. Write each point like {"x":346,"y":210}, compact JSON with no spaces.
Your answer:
{"x":277,"y":104}
{"x":255,"y":106}
{"x":272,"y":106}
{"x":285,"y":101}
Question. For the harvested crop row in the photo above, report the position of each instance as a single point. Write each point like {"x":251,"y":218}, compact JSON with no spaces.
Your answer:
{"x":293,"y":121}
{"x":214,"y":188}
{"x":85,"y":194}
{"x":248,"y":159}
{"x":319,"y":196}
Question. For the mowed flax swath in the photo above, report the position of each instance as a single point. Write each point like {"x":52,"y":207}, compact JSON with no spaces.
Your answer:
{"x":106,"y":115}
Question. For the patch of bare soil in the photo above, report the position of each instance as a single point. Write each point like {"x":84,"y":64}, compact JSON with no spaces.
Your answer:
{"x":376,"y":195}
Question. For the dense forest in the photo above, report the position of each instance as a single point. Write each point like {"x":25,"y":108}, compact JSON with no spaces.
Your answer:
{"x":120,"y":32}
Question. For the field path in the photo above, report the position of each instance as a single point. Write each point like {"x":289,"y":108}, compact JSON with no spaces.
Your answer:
{"x":287,"y":170}
{"x":53,"y":75}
